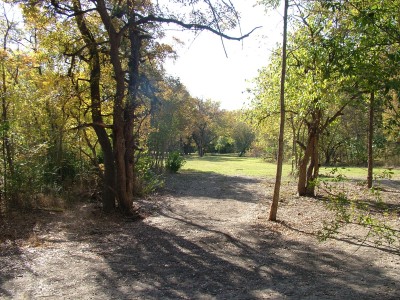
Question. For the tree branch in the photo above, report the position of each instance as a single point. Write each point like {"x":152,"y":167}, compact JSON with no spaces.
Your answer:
{"x":302,"y":146}
{"x":92,"y":125}
{"x":193,"y":26}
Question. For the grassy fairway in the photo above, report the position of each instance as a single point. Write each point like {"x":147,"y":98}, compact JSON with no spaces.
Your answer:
{"x":233,"y":165}
{"x":250,"y":166}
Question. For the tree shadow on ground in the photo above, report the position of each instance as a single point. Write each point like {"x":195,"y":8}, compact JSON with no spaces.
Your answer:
{"x":141,"y":260}
{"x":352,"y":239}
{"x":220,"y":158}
{"x":183,"y":257}
{"x":155,"y":263}
{"x":14,"y":226}
{"x":198,"y":184}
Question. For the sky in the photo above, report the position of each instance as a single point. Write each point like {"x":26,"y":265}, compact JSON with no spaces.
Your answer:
{"x":204,"y":69}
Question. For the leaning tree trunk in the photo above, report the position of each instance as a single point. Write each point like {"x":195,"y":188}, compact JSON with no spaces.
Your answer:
{"x":309,"y":165}
{"x":370,"y":140}
{"x":108,"y":197}
{"x":313,"y":167}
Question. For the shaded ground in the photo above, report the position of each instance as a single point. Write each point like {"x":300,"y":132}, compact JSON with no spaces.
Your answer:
{"x":205,"y":237}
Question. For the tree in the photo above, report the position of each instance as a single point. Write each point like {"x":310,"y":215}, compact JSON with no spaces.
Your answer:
{"x":275,"y":199}
{"x":171,"y":120}
{"x":9,"y":66}
{"x":120,"y":34}
{"x":204,"y":132}
{"x":243,"y":137}
{"x":373,"y":66}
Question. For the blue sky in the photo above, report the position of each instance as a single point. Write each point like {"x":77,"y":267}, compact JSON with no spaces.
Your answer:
{"x":205,"y":70}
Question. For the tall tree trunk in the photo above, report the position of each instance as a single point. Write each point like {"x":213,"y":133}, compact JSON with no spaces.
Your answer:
{"x":122,"y":135}
{"x":370,"y":139}
{"x":108,"y":197}
{"x":5,"y":124}
{"x":131,"y":105}
{"x":275,"y":199}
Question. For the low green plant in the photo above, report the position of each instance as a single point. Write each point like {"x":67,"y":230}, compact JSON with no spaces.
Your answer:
{"x":385,"y":174}
{"x":174,"y":162}
{"x":148,"y":181}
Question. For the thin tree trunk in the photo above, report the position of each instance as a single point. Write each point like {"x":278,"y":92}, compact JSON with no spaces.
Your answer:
{"x":275,"y":199}
{"x":7,"y":150}
{"x":294,"y":147}
{"x":4,"y":136}
{"x":370,"y":140}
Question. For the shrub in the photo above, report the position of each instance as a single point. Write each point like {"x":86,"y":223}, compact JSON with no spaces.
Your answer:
{"x":174,"y":162}
{"x":148,"y":181}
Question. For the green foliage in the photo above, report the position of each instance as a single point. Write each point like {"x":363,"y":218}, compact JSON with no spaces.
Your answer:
{"x":385,"y":174}
{"x":369,"y":214}
{"x":243,"y":136}
{"x":174,"y":162}
{"x":224,"y":144}
{"x":148,"y":181}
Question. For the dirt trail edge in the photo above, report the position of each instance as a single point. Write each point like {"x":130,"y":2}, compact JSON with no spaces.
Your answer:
{"x":205,"y":237}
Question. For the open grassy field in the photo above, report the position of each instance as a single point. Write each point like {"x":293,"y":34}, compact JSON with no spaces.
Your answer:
{"x":257,"y":167}
{"x":233,"y":165}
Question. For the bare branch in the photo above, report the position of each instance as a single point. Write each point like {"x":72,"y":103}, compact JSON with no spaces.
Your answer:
{"x":92,"y":125}
{"x":216,"y":21}
{"x":193,"y":26}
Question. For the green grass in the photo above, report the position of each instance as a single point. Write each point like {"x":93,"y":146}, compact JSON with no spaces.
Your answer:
{"x":233,"y":165}
{"x":256,"y":167}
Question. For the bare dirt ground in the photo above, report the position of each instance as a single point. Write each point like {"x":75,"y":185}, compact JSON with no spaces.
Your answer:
{"x":205,"y":236}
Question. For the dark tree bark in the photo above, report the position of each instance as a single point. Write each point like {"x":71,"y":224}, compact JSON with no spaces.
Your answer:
{"x":275,"y":199}
{"x":309,"y":166}
{"x":120,"y":116}
{"x":131,"y":105}
{"x":108,"y":197}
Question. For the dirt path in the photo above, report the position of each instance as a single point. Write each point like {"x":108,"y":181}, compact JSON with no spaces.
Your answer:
{"x":206,"y":237}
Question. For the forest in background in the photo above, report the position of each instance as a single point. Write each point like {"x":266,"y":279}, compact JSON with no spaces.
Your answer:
{"x":87,"y":109}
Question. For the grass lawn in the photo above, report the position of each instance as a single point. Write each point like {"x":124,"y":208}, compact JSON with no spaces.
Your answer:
{"x":257,"y":167}
{"x":233,"y":165}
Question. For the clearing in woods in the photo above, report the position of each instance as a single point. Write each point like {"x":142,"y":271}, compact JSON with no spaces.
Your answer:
{"x":205,"y":236}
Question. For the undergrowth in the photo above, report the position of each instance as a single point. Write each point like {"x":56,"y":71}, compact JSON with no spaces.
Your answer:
{"x":370,"y":212}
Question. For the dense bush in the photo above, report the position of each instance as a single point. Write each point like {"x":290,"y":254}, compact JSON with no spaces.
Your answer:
{"x":174,"y":162}
{"x":147,"y":179}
